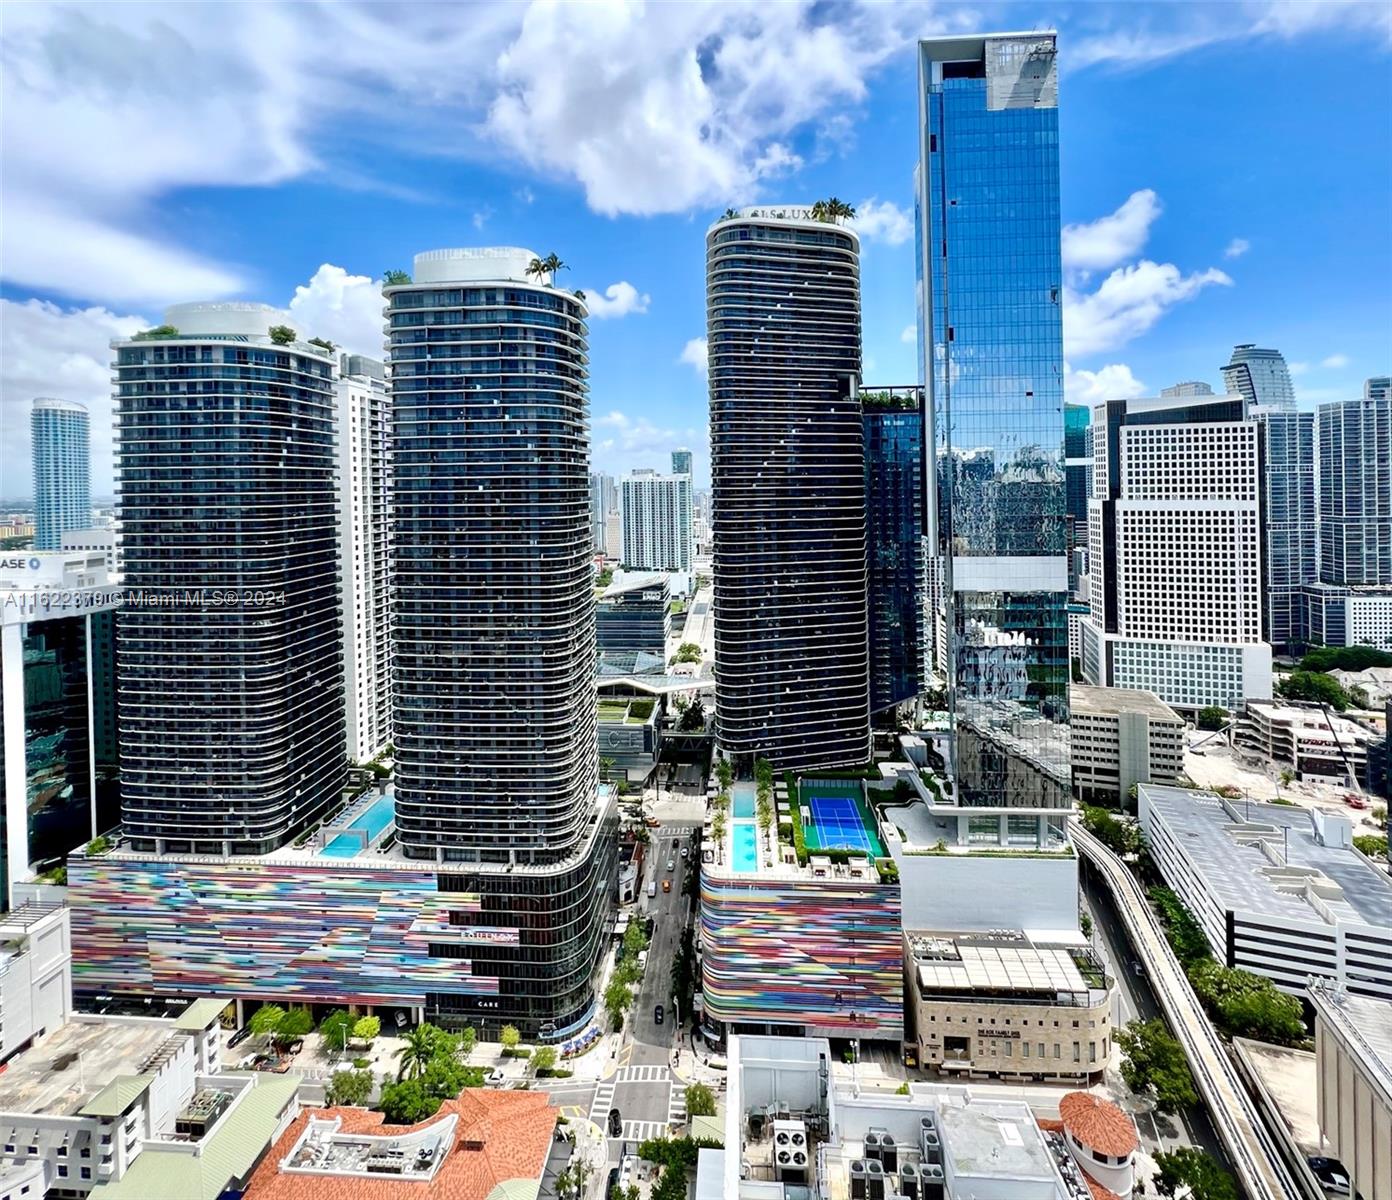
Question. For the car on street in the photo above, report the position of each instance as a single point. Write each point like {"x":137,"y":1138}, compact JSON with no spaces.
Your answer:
{"x":671,"y":864}
{"x":666,"y":885}
{"x":1331,"y":1173}
{"x":657,"y":1015}
{"x":496,"y":1078}
{"x":1138,"y":968}
{"x":652,"y":822}
{"x":1355,"y":801}
{"x":685,"y":852}
{"x":615,"y":1123}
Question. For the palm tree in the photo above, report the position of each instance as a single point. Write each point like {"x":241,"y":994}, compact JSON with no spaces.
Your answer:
{"x":552,"y":264}
{"x":579,"y":293}
{"x":819,"y":211}
{"x":536,"y":267}
{"x":729,"y":215}
{"x":416,"y":1054}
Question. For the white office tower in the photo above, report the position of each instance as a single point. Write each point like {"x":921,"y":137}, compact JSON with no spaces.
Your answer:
{"x":364,"y":464}
{"x":656,"y":511}
{"x":1174,"y":550}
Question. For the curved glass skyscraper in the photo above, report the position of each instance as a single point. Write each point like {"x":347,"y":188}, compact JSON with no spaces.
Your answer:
{"x":788,"y":481}
{"x":231,"y":671}
{"x":494,"y":627}
{"x":61,"y":452}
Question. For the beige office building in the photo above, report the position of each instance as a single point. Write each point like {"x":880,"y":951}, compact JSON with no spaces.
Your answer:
{"x":1353,"y":1061}
{"x":1121,"y":737}
{"x":999,"y":1005}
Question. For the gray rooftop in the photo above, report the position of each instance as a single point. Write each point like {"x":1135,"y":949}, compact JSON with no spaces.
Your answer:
{"x":1105,"y":701}
{"x":76,"y":1061}
{"x":1228,"y":856}
{"x":993,"y":1139}
{"x":1362,"y":1021}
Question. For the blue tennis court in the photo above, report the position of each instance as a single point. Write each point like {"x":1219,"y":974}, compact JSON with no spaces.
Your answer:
{"x":838,"y":823}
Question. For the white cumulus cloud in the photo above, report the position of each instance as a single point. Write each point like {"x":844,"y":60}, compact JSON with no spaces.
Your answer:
{"x":1237,"y":248}
{"x":1112,"y":382}
{"x":694,"y":354}
{"x":1335,"y":361}
{"x":346,"y":309}
{"x":909,"y":336}
{"x":883,"y":221}
{"x":1115,"y":238}
{"x":1127,"y":304}
{"x":630,"y":442}
{"x":617,"y":300}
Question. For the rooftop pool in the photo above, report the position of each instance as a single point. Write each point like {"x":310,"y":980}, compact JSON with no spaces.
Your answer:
{"x":371,"y":822}
{"x":744,"y":795}
{"x":744,"y":847}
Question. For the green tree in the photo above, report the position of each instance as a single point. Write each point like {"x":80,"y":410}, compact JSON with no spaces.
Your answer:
{"x":1189,"y":1167}
{"x":366,"y":1029}
{"x":729,"y":215}
{"x":468,"y":1039}
{"x":1121,"y":837}
{"x":635,"y":940}
{"x":544,"y":1060}
{"x":1345,"y":658}
{"x":1371,"y":844}
{"x":694,"y":718}
{"x":323,"y":343}
{"x":266,"y":1020}
{"x":294,"y":1025}
{"x":407,"y":1102}
{"x":688,"y":652}
{"x":159,"y":331}
{"x":1153,"y":1064}
{"x":416,"y":1051}
{"x":445,"y":1076}
{"x":335,"y":1029}
{"x":1186,"y":935}
{"x":349,"y":1087}
{"x":393,"y":278}
{"x":617,"y":998}
{"x":281,"y":335}
{"x":1311,"y":685}
{"x":1212,"y":717}
{"x":99,"y":844}
{"x":510,"y":1037}
{"x":1246,"y":1005}
{"x":700,"y":1101}
{"x":724,"y":773}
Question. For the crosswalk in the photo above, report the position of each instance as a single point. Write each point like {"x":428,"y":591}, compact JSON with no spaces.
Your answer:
{"x":650,"y":1074}
{"x":637,"y":1131}
{"x":641,"y":1131}
{"x":602,"y":1103}
{"x":676,"y":1105}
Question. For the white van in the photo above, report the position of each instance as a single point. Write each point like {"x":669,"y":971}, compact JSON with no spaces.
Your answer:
{"x":642,"y":960}
{"x":652,"y":888}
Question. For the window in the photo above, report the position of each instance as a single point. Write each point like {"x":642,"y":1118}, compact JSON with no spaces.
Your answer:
{"x":86,"y":1172}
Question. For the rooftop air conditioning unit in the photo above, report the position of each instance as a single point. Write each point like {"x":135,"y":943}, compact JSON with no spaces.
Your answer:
{"x":790,"y":1151}
{"x":858,"y":1179}
{"x":874,"y":1181}
{"x":889,"y":1154}
{"x":908,"y":1181}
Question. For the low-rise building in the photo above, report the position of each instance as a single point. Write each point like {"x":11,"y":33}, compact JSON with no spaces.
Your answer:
{"x":1120,"y":737}
{"x":35,"y":974}
{"x":629,"y":739}
{"x":136,"y":1108}
{"x":483,"y":1145}
{"x":1347,"y":615}
{"x":1308,"y":739}
{"x":1374,"y":682}
{"x":634,"y":614}
{"x":1353,"y":1063}
{"x":1279,"y":891}
{"x":793,"y":1129}
{"x":1001,"y":1005}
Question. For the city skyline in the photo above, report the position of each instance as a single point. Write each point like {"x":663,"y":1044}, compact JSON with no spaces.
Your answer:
{"x":1151,"y":219}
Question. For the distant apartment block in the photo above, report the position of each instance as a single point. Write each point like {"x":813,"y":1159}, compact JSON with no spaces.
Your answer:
{"x":60,"y":431}
{"x":656,"y":512}
{"x":1279,"y":891}
{"x":604,"y":499}
{"x":364,"y":528}
{"x":1122,"y":737}
{"x":1339,"y":615}
{"x":1260,"y":377}
{"x":681,"y":462}
{"x":1289,"y":558}
{"x":1175,"y":552}
{"x":1355,"y":490}
{"x":1310,"y":741}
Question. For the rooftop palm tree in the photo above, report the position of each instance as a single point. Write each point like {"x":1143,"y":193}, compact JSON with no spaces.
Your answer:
{"x":819,"y":211}
{"x":837,"y":209}
{"x":553,"y":264}
{"x":536,"y":267}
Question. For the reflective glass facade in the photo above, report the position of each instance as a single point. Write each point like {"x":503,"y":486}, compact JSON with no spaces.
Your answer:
{"x":1355,"y":490}
{"x":60,"y":433}
{"x":894,"y":501}
{"x":230,"y":691}
{"x":1077,"y":449}
{"x":788,"y":485}
{"x":1288,"y":522}
{"x":992,"y":281}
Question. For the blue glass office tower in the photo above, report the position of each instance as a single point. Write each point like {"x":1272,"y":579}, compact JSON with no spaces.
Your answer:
{"x":1289,"y":559}
{"x":230,"y":693}
{"x":896,"y":570}
{"x":61,"y":452}
{"x":494,"y":700}
{"x":992,"y":286}
{"x":1077,"y":449}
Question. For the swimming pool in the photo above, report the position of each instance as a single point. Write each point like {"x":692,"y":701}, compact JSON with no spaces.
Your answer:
{"x":744,"y":847}
{"x":744,"y":796}
{"x":371,"y":821}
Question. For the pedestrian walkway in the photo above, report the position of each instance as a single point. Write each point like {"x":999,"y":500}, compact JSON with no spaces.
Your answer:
{"x":602,"y":1103}
{"x":676,"y":1106}
{"x":649,"y":1074}
{"x":641,"y":1131}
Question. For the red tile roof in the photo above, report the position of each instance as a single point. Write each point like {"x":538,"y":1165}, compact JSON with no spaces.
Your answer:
{"x":1048,"y":1125}
{"x":514,"y":1128}
{"x":1098,"y":1124}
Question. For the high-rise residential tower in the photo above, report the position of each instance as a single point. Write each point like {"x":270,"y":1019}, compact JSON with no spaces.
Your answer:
{"x":62,"y":468}
{"x":364,"y":516}
{"x":788,"y":488}
{"x":991,"y":284}
{"x":1260,"y":377}
{"x":895,"y":551}
{"x":1289,"y":560}
{"x":681,"y":462}
{"x":1175,"y":564}
{"x":656,"y":511}
{"x":603,"y":501}
{"x":231,"y":675}
{"x":1077,"y":447}
{"x":494,"y":628}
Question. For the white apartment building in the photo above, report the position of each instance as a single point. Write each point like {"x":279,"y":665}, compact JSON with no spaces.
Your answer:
{"x":657,"y":530}
{"x":1279,"y":891}
{"x":1175,"y":553}
{"x":35,"y":973}
{"x":1121,"y":737}
{"x":365,"y":514}
{"x":128,"y":1108}
{"x":1304,"y":738}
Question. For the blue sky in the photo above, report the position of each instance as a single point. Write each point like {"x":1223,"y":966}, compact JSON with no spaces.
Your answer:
{"x":1226,"y":178}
